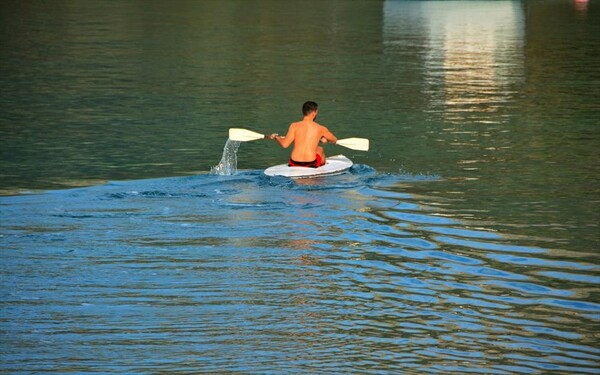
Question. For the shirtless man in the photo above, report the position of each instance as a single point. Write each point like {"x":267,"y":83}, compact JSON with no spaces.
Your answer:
{"x":306,"y":135}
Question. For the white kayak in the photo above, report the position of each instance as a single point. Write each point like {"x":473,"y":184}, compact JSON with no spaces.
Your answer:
{"x":333,"y":165}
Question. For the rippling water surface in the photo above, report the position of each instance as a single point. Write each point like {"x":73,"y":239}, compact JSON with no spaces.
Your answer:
{"x":465,"y":241}
{"x":252,"y":274}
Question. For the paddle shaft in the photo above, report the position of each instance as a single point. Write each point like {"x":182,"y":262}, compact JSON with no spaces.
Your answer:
{"x":244,"y":135}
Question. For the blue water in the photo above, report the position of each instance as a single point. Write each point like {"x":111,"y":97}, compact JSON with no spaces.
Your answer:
{"x":251,"y":274}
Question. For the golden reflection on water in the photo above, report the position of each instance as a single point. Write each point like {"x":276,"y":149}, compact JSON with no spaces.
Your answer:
{"x":471,"y":65}
{"x":473,"y":56}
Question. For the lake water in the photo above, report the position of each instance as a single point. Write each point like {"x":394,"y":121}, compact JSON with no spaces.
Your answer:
{"x":465,"y":241}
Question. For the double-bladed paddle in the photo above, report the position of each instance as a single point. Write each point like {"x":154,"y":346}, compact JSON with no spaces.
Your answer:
{"x":244,"y":135}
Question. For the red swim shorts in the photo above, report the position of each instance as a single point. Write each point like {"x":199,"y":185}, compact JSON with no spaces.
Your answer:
{"x":309,"y":164}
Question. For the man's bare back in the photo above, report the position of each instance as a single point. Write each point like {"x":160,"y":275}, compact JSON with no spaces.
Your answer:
{"x":306,"y":135}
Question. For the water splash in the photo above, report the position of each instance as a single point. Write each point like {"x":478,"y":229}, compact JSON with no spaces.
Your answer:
{"x":228,"y":164}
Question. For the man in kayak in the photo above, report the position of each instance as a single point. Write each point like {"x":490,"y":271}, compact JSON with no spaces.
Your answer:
{"x":306,"y":135}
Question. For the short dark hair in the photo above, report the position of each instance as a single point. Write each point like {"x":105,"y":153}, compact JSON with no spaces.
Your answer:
{"x":309,"y":107}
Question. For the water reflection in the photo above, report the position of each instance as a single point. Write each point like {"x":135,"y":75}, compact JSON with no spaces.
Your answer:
{"x":581,"y":6}
{"x":473,"y":55}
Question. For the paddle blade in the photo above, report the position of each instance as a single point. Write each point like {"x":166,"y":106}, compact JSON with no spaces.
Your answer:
{"x":244,"y":135}
{"x":361,"y":144}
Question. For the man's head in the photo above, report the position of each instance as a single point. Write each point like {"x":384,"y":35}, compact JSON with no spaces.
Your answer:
{"x":309,"y":107}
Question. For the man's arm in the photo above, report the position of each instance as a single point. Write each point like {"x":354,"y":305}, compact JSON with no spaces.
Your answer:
{"x":286,"y":141}
{"x":328,"y":136}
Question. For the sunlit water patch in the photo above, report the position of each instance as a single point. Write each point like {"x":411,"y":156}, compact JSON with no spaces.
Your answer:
{"x":251,"y":274}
